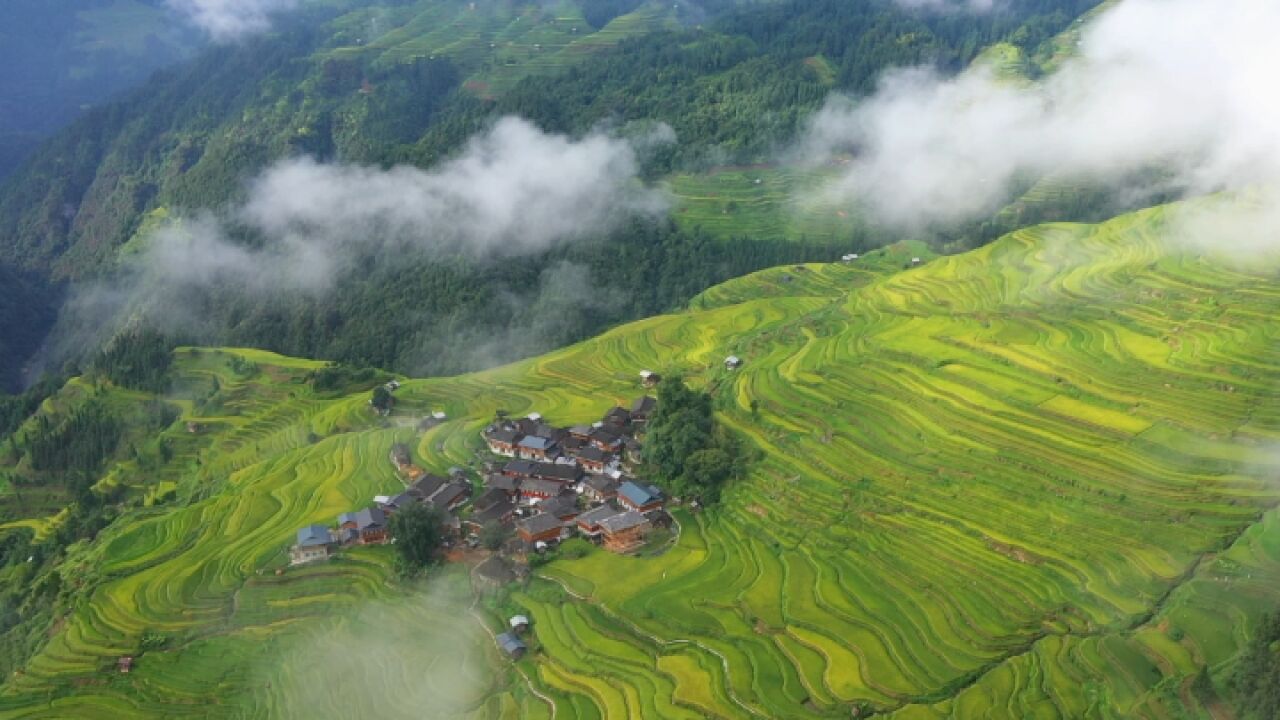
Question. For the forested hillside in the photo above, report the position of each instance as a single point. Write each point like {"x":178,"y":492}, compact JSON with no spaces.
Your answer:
{"x":411,"y":82}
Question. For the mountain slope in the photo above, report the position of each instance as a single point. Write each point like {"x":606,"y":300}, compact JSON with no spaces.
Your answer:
{"x":1029,"y":479}
{"x":410,"y":82}
{"x":56,"y":60}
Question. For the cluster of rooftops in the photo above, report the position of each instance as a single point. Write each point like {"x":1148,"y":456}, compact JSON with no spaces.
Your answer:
{"x":553,"y":482}
{"x":562,"y":481}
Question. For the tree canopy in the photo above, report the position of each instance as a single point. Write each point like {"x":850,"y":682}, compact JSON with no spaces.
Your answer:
{"x":1257,"y":678}
{"x":686,"y":450}
{"x":417,"y":530}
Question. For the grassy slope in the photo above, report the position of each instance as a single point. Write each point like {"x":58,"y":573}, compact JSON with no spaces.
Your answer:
{"x":1020,"y":481}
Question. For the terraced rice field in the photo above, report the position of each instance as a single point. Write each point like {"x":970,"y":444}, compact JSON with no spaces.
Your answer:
{"x":1034,"y":480}
{"x":494,"y":43}
{"x":762,"y":202}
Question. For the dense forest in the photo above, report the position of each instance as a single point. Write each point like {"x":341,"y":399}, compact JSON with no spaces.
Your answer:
{"x":686,"y":450}
{"x":1257,"y":678}
{"x":734,"y":86}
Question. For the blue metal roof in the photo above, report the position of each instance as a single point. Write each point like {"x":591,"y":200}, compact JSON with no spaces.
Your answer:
{"x":314,"y":535}
{"x":534,"y":442}
{"x":636,"y":495}
{"x":510,"y":643}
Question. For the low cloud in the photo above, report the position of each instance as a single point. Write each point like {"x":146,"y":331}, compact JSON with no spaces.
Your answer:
{"x":419,"y":657}
{"x":1176,"y":92}
{"x":567,"y":304}
{"x":513,"y":190}
{"x":227,"y":20}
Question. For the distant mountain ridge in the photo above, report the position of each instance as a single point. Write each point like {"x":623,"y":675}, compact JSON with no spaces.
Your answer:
{"x":57,"y":59}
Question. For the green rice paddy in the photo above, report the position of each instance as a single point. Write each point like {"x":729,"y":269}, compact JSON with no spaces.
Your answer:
{"x":1033,"y":480}
{"x":494,"y":43}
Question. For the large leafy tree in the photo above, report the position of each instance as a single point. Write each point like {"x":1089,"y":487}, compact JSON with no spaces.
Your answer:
{"x":686,"y":451}
{"x":417,"y":530}
{"x":1257,"y":678}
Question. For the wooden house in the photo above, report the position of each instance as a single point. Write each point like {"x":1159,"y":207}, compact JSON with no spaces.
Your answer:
{"x":534,"y":447}
{"x":638,"y":498}
{"x":733,"y":362}
{"x":589,"y":521}
{"x":506,"y":483}
{"x":494,"y":505}
{"x":606,"y":439}
{"x":617,"y":418}
{"x":600,"y":488}
{"x":540,"y":489}
{"x":642,"y":408}
{"x":555,"y":472}
{"x":451,"y":496}
{"x":369,"y":524}
{"x":314,"y":542}
{"x":649,"y":379}
{"x":519,"y":624}
{"x":427,"y":486}
{"x":593,"y":459}
{"x":503,"y":441}
{"x":563,"y":506}
{"x":624,"y":532}
{"x":492,"y":574}
{"x":540,"y":528}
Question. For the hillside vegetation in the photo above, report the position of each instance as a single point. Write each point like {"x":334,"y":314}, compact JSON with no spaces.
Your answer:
{"x":382,"y":83}
{"x":1036,"y":479}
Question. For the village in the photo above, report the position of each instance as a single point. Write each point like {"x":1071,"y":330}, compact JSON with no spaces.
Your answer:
{"x":543,"y":484}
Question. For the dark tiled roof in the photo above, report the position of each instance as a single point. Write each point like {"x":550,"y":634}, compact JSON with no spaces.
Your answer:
{"x":491,"y":497}
{"x":622,"y":521}
{"x":618,"y":416}
{"x":539,"y":524}
{"x":494,"y":512}
{"x":495,"y":569}
{"x":538,"y":486}
{"x":402,"y":499}
{"x":504,"y":435}
{"x":451,"y":493}
{"x":427,"y":485}
{"x":498,"y":481}
{"x":370,"y":518}
{"x":591,"y":453}
{"x":643,"y":405}
{"x":548,"y":471}
{"x":561,"y":506}
{"x":602,"y":483}
{"x":596,"y":514}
